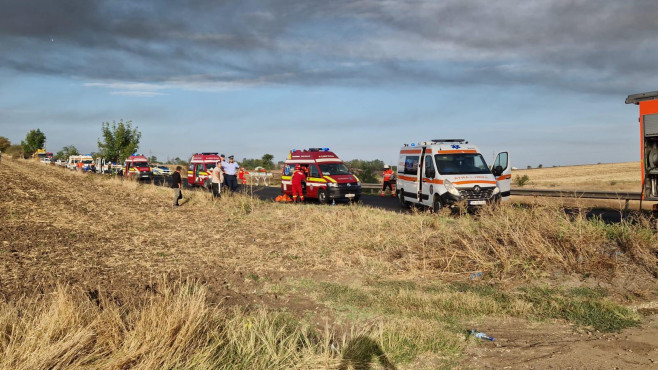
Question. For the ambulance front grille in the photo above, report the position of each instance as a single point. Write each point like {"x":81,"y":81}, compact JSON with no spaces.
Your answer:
{"x":476,"y":193}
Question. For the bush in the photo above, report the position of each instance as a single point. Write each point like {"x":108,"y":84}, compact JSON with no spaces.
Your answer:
{"x":520,"y":181}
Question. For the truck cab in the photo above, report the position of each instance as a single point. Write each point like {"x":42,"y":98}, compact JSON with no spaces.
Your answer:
{"x":648,"y":103}
{"x":327,"y":177}
{"x":136,"y":167}
{"x":450,"y":172}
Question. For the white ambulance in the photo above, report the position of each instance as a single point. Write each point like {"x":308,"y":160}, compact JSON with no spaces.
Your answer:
{"x":450,"y":172}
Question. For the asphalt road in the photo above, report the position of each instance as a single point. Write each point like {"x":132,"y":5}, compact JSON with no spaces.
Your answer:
{"x":387,"y":203}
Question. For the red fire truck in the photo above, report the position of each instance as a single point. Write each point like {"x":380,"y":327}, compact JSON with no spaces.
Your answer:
{"x":201,"y":164}
{"x":327,"y":177}
{"x":137,"y":167}
{"x":648,"y":103}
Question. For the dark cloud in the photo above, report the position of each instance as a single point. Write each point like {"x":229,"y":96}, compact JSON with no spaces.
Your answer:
{"x":589,"y":45}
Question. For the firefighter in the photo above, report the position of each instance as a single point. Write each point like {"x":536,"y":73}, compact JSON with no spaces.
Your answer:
{"x":388,"y":180}
{"x":241,"y":175}
{"x":297,"y":177}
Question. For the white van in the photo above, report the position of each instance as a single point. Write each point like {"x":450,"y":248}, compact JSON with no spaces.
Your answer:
{"x":446,"y":172}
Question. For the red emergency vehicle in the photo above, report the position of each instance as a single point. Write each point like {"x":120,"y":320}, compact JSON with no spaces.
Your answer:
{"x":201,"y":164}
{"x":327,"y":177}
{"x":137,"y":167}
{"x":648,"y":103}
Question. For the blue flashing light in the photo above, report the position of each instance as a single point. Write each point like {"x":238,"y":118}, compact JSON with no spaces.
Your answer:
{"x":413,"y":144}
{"x":326,"y":149}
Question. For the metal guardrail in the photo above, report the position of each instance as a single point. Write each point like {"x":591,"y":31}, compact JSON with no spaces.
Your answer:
{"x":578,"y":194}
{"x":557,"y":193}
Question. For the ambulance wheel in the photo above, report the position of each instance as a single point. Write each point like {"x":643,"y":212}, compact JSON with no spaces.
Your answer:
{"x":208,"y":185}
{"x":436,"y":204}
{"x":322,"y":196}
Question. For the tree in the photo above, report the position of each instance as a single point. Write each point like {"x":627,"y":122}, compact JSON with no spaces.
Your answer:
{"x":120,"y":140}
{"x":35,"y":139}
{"x":4,"y":144}
{"x":366,"y":171}
{"x":66,"y":152}
{"x":267,"y":161}
{"x":152,"y":159}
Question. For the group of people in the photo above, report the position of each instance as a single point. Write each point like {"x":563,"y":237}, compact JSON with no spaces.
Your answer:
{"x":225,"y":175}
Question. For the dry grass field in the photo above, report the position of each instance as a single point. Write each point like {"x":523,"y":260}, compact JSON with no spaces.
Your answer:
{"x":602,"y":177}
{"x":102,"y":273}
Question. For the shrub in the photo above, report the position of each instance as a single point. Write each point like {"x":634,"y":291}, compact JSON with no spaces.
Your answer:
{"x":520,"y":181}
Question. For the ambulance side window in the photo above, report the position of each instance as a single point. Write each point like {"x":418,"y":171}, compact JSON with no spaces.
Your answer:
{"x":288,"y":169}
{"x":191,"y":168}
{"x":411,"y":165}
{"x":429,"y":167}
{"x":313,"y":171}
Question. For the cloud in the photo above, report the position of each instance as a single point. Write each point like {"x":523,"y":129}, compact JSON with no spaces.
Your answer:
{"x":584,"y":45}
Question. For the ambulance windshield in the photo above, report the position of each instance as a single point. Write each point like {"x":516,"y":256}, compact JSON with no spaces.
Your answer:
{"x":329,"y":169}
{"x":140,"y":164}
{"x":210,"y":166}
{"x":461,"y":164}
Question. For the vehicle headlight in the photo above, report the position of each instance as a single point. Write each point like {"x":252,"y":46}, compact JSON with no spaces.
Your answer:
{"x":332,"y":185}
{"x":496,"y":190}
{"x":451,"y":188}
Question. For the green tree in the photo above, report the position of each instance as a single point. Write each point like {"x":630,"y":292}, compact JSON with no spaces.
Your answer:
{"x":119,"y":140}
{"x":366,"y":171}
{"x":152,"y":159}
{"x":35,"y":139}
{"x":66,"y":152}
{"x":4,"y":144}
{"x":267,"y":161}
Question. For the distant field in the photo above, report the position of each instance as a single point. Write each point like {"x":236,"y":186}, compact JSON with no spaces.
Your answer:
{"x":604,"y":177}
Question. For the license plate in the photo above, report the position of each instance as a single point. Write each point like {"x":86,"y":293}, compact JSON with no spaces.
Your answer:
{"x":477,"y":202}
{"x":349,"y":195}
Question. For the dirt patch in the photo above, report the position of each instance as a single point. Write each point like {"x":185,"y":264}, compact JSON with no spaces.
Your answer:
{"x":519,"y":344}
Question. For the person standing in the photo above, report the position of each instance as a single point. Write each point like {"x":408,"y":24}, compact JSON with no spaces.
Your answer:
{"x":177,"y":185}
{"x":241,"y":175}
{"x":230,"y":173}
{"x":297,"y":177}
{"x":388,"y":180}
{"x":217,"y":179}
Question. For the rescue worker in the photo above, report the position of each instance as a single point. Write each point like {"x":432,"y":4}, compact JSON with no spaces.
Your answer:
{"x":388,"y":180}
{"x":297,"y":177}
{"x":241,"y":176}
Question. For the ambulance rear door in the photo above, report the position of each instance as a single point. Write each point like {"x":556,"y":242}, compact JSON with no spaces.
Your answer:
{"x":503,"y":173}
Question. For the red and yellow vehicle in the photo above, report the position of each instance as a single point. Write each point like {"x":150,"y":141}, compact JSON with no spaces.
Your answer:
{"x":201,"y":164}
{"x":137,"y":167}
{"x":327,"y":177}
{"x":648,"y":103}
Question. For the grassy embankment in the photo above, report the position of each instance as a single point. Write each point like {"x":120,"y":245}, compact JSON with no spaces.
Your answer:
{"x":387,"y":288}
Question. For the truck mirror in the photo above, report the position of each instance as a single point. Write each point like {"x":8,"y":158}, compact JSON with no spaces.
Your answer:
{"x":497,"y":171}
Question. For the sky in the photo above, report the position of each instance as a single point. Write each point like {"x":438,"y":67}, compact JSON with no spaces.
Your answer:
{"x":544,"y":80}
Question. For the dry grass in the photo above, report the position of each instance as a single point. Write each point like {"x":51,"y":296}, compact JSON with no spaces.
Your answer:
{"x":602,"y":177}
{"x":108,"y":240}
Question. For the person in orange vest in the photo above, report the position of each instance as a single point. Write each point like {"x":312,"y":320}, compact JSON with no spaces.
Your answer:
{"x":241,"y":175}
{"x":297,"y":177}
{"x":388,"y":180}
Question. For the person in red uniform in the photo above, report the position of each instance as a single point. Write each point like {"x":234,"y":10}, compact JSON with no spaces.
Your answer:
{"x":388,"y":180}
{"x":297,"y":177}
{"x":241,"y":175}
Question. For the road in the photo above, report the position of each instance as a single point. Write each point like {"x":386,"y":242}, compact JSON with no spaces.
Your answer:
{"x":389,"y":203}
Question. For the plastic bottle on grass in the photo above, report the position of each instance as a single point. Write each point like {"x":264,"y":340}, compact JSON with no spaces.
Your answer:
{"x":481,"y":335}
